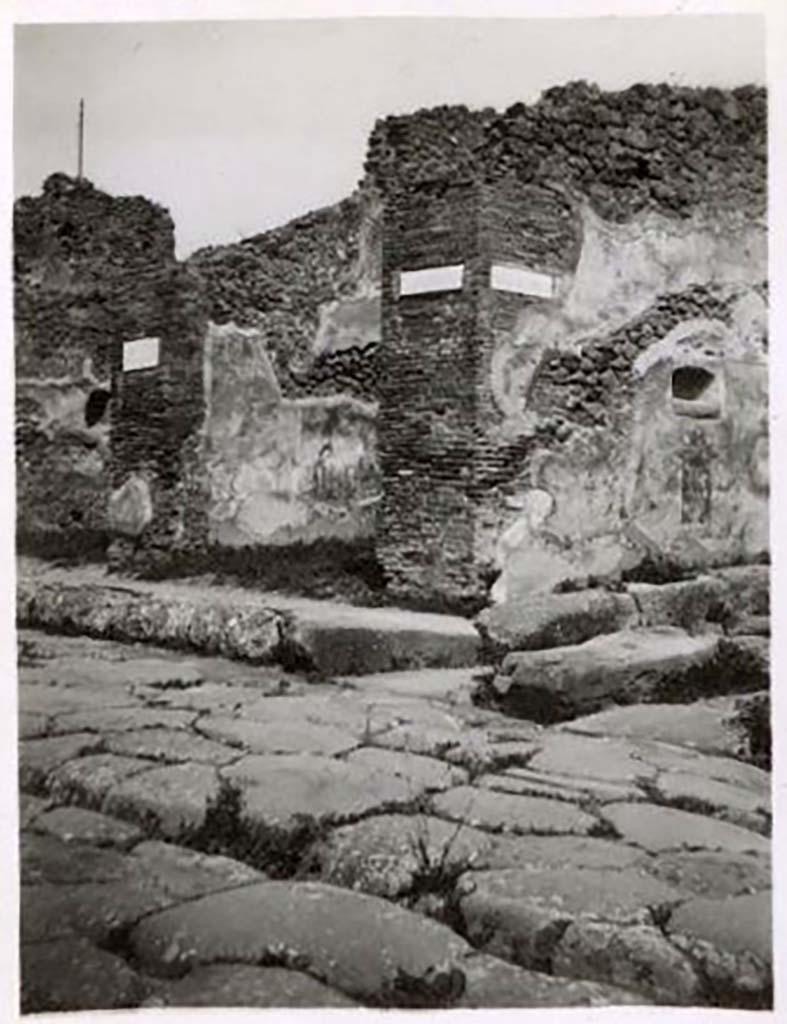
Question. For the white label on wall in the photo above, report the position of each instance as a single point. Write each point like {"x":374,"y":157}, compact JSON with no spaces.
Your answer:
{"x":431,"y":279}
{"x":522,"y":281}
{"x":140,"y":354}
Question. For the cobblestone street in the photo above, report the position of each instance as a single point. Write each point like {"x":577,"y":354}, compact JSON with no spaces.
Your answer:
{"x":198,"y":831}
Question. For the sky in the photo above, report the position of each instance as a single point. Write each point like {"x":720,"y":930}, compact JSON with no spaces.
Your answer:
{"x":239,"y":126}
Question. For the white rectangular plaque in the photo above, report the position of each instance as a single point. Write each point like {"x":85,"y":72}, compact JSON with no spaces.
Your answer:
{"x":522,"y":281}
{"x":140,"y":354}
{"x":431,"y":279}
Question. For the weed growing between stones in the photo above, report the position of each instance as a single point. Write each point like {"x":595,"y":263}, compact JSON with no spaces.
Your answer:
{"x":227,"y":830}
{"x":753,"y":717}
{"x":433,"y":889}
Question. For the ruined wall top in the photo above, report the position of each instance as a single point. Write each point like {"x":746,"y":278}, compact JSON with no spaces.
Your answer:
{"x":647,"y":147}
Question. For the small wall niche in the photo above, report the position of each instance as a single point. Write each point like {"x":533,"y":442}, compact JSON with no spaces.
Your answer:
{"x":696,"y":392}
{"x":431,"y":279}
{"x":142,"y":354}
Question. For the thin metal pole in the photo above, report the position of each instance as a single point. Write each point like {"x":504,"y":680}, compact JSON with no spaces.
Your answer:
{"x":81,"y":138}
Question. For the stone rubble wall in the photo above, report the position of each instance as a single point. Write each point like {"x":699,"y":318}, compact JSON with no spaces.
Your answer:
{"x":311,"y":290}
{"x":89,"y":273}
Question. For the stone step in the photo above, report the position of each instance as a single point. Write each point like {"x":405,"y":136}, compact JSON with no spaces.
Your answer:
{"x":663,"y":664}
{"x":324,"y":637}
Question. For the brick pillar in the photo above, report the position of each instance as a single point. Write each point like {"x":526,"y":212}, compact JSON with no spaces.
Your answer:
{"x":461,"y":261}
{"x":157,"y":412}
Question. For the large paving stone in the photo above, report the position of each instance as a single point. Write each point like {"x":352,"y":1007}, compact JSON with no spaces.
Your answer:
{"x":560,"y":787}
{"x":543,"y":620}
{"x":453,"y":685}
{"x":113,"y":674}
{"x":366,"y":947}
{"x":735,"y":804}
{"x":278,"y":737}
{"x":546,"y":853}
{"x":665,"y":828}
{"x":422,"y":774}
{"x":704,"y":725}
{"x":32,"y":725}
{"x":731,"y":940}
{"x":243,"y":985}
{"x":715,"y":874}
{"x":38,"y":758}
{"x":99,"y":719}
{"x":385,"y":854}
{"x":77,"y":824}
{"x":494,"y":984}
{"x":521,"y":915}
{"x":511,"y":813}
{"x":71,"y":974}
{"x":88,"y":779}
{"x":30,"y":809}
{"x":636,"y":957}
{"x":629,"y":666}
{"x":184,"y":874}
{"x":171,"y":746}
{"x":156,"y":876}
{"x":601,"y":758}
{"x":169,"y":799}
{"x":46,"y":858}
{"x":280,"y":790}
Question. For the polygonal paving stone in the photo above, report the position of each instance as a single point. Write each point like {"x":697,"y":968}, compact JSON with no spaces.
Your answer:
{"x":703,"y":725}
{"x":504,"y":811}
{"x":422,"y":774}
{"x":278,"y":790}
{"x":46,"y":858}
{"x":32,"y":725}
{"x":278,"y":737}
{"x":242,"y":985}
{"x":562,"y":787}
{"x":453,"y":685}
{"x":636,"y":957}
{"x":30,"y":807}
{"x":383,"y":855}
{"x":209,"y":695}
{"x":170,"y":799}
{"x":666,"y":828}
{"x":731,"y":940}
{"x":96,"y":910}
{"x":546,"y":853}
{"x":77,"y":824}
{"x":715,"y":874}
{"x":37,"y":758}
{"x":184,"y":874}
{"x":723,"y":769}
{"x":520,"y":915}
{"x":110,"y":675}
{"x":56,"y":700}
{"x":120,"y":719}
{"x":366,"y":947}
{"x":73,"y":975}
{"x":172,"y":746}
{"x":88,"y":779}
{"x":741,"y":924}
{"x":732,"y":803}
{"x":493,"y":983}
{"x":608,"y":760}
